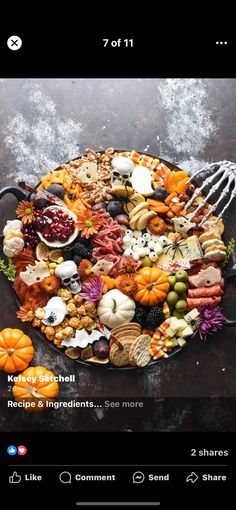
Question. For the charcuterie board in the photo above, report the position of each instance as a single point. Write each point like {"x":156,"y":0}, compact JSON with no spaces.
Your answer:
{"x":111,"y":265}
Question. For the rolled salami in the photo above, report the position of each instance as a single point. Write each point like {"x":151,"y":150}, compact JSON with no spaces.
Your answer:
{"x":195,"y":302}
{"x":214,"y":290}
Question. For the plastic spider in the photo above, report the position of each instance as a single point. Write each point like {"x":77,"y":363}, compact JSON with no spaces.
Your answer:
{"x":128,"y":198}
{"x":176,"y":247}
{"x":51,"y":318}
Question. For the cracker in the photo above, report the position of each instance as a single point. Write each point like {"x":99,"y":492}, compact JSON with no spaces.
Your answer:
{"x":122,"y":191}
{"x":207,"y":236}
{"x":213,"y":247}
{"x":127,"y":336}
{"x":139,"y":352}
{"x":136,"y":217}
{"x":138,"y":208}
{"x":144,"y":219}
{"x":126,"y":325}
{"x":128,"y":331}
{"x":118,"y":357}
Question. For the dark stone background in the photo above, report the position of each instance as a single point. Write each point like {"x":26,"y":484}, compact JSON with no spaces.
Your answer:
{"x":46,"y":122}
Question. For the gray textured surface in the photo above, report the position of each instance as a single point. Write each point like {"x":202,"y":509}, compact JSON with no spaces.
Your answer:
{"x":46,"y":122}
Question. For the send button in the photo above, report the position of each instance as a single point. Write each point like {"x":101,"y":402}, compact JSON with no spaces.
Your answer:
{"x":159,"y":478}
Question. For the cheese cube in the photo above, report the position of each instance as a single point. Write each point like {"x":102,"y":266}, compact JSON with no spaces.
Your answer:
{"x":187,"y":332}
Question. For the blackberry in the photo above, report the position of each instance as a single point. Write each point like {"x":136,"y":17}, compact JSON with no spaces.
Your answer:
{"x":140,"y":314}
{"x":77,"y":259}
{"x":80,"y":250}
{"x":30,"y":235}
{"x":154,"y":317}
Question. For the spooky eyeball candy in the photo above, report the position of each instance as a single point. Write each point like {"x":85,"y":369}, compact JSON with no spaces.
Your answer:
{"x":138,"y":245}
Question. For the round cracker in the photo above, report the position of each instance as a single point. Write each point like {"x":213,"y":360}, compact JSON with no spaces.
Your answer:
{"x":119,"y":357}
{"x":216,"y":255}
{"x":139,"y":352}
{"x":214,"y":247}
{"x":127,"y":325}
{"x":131,"y":360}
{"x":207,"y":236}
{"x":126,"y":336}
{"x":126,"y":329}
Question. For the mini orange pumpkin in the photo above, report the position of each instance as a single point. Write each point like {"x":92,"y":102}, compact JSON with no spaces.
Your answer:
{"x":152,"y":286}
{"x":16,"y":350}
{"x":35,"y":385}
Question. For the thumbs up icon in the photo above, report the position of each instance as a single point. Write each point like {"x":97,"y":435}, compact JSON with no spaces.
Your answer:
{"x":14,"y":478}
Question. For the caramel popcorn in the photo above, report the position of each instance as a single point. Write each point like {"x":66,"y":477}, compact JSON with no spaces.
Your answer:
{"x":64,"y":294}
{"x":49,"y":332}
{"x":78,"y":300}
{"x":67,"y":332}
{"x":57,"y":328}
{"x":81,"y":310}
{"x":64,"y":323}
{"x":57,"y":342}
{"x":90,"y":308}
{"x":88,"y":323}
{"x":75,"y":322}
{"x":39,"y":313}
{"x":71,"y":308}
{"x":36,"y":323}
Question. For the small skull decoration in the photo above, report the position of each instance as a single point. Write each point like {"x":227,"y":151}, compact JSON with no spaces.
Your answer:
{"x":67,"y":272}
{"x":122,"y":169}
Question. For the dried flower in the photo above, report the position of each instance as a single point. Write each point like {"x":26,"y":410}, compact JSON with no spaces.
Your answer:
{"x":26,"y":313}
{"x":127,"y":265}
{"x":26,"y":212}
{"x":92,"y":289}
{"x":127,"y":285}
{"x":84,"y":268}
{"x":211,"y":319}
{"x":51,"y":284}
{"x":88,"y":223}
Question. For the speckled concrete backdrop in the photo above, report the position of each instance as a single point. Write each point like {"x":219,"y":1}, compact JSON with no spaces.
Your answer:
{"x":46,"y":122}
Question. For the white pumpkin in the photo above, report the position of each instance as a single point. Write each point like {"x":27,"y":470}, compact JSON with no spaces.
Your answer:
{"x":115,"y":308}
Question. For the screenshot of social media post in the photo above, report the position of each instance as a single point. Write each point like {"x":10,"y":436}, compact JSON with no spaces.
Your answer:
{"x":118,"y":246}
{"x":117,"y":277}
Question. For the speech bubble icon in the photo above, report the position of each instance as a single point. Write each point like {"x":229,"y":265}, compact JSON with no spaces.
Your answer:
{"x":65,"y":477}
{"x":138,"y":477}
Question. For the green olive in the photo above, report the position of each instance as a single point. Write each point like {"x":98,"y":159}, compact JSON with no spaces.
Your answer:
{"x":172,"y":280}
{"x":180,"y":287}
{"x":181,"y":305}
{"x":172,"y":298}
{"x":146,"y":262}
{"x":181,"y":275}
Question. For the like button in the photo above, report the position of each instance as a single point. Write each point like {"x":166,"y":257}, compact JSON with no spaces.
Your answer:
{"x":14,"y":478}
